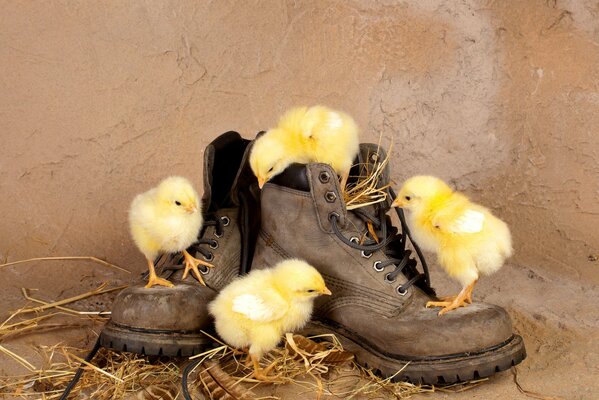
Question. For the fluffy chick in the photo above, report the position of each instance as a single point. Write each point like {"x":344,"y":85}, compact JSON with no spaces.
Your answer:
{"x":469,"y":241}
{"x":304,"y":135}
{"x":167,"y":219}
{"x":256,"y":310}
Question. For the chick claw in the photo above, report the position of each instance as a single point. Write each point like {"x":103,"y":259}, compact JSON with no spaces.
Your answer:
{"x":450,"y":303}
{"x":262,"y":374}
{"x":191,"y":263}
{"x":447,"y":305}
{"x":153,"y":279}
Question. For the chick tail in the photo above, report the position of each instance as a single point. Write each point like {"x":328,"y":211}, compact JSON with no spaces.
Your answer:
{"x":153,"y":279}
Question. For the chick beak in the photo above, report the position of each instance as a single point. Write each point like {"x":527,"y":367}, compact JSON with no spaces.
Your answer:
{"x":191,"y":208}
{"x":397,"y":203}
{"x":261,"y":182}
{"x":326,"y":291}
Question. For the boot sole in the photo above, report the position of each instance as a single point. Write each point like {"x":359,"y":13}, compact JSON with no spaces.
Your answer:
{"x":431,"y":370}
{"x":153,"y":343}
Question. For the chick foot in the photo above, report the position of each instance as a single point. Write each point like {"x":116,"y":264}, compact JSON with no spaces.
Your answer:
{"x":191,"y":263}
{"x":454,"y":302}
{"x":262,"y":374}
{"x":153,"y":279}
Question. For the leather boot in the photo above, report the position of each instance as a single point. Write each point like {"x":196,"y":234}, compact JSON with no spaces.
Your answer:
{"x":168,"y":321}
{"x":377,"y":309}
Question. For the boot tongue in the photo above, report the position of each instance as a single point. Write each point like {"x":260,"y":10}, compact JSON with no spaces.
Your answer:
{"x":369,"y":157}
{"x":222,"y":159}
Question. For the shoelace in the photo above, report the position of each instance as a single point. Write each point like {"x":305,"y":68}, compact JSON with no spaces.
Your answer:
{"x":394,"y":247}
{"x":174,"y":262}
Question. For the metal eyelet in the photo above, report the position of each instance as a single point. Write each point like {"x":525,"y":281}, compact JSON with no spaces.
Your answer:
{"x":374,"y":157}
{"x":354,"y":239}
{"x":389,"y":280}
{"x":334,"y":215}
{"x":400,"y":291}
{"x":324,"y":177}
{"x":214,"y":245}
{"x":366,"y":255}
{"x":204,"y":270}
{"x":377,"y":266}
{"x":330,"y":197}
{"x":209,"y":258}
{"x":226,"y":221}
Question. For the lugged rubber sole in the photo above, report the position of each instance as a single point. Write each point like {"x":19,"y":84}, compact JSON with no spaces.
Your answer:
{"x":153,"y":343}
{"x":431,"y":371}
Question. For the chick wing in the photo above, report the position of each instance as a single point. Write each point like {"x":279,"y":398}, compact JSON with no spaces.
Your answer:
{"x":470,"y":221}
{"x":265,"y":307}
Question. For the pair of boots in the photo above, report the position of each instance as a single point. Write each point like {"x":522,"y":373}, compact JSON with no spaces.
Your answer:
{"x":377,"y":309}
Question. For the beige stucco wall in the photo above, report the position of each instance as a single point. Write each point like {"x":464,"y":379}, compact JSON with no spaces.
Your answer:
{"x":100,"y":100}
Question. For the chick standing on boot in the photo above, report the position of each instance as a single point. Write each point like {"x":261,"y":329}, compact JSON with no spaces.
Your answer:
{"x":167,"y":219}
{"x":467,"y":238}
{"x":305,"y":135}
{"x":256,"y":310}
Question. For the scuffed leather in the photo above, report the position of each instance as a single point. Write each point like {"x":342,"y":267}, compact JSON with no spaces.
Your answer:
{"x":295,"y":224}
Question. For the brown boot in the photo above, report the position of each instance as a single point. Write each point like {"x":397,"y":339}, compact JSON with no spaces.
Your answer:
{"x":168,"y":321}
{"x":378,"y":304}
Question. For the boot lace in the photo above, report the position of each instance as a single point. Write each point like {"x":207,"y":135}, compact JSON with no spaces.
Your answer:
{"x":393,"y":244}
{"x":203,"y":245}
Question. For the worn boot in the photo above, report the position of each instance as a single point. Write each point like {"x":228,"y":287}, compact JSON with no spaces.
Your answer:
{"x":168,"y":321}
{"x":377,"y":309}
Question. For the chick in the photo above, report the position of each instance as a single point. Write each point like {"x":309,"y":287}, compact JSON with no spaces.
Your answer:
{"x":167,"y":219}
{"x":256,"y":310}
{"x":303,"y":135}
{"x":468,"y":239}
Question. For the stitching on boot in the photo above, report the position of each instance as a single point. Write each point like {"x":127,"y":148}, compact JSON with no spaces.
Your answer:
{"x":269,"y":241}
{"x":296,"y":192}
{"x":348,"y":294}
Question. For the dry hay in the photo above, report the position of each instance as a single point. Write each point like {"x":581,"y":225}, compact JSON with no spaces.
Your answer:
{"x":366,"y":188}
{"x":313,"y":367}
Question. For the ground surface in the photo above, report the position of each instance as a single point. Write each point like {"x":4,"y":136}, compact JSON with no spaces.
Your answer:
{"x":559,"y":326}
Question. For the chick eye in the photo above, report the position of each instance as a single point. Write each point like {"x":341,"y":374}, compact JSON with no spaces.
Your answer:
{"x":177,"y":202}
{"x":271,"y":168}
{"x":408,"y":198}
{"x":311,"y":290}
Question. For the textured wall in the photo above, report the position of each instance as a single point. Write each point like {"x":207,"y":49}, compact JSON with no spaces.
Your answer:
{"x":101,"y":100}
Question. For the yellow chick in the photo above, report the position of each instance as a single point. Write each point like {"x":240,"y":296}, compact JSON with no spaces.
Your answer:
{"x":167,"y":219}
{"x":304,"y":135}
{"x":469,"y":241}
{"x":256,"y":310}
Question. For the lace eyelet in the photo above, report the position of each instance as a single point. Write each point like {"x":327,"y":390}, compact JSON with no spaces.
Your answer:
{"x":204,"y":270}
{"x":401,"y":291}
{"x":354,"y":239}
{"x":366,"y":255}
{"x":324,"y":177}
{"x":209,"y":258}
{"x":377,"y":266}
{"x":389,"y":280}
{"x":334,"y":215}
{"x":214,"y":245}
{"x":330,"y":197}
{"x":226,"y":221}
{"x":374,"y":157}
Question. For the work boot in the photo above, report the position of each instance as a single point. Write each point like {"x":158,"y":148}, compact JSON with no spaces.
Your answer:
{"x":168,"y":321}
{"x":377,"y":309}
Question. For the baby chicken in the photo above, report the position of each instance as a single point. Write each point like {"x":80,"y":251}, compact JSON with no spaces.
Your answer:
{"x":167,"y":219}
{"x":315,"y":134}
{"x":257,"y":309}
{"x":467,"y":238}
